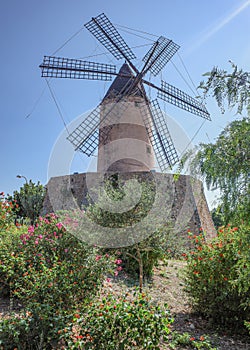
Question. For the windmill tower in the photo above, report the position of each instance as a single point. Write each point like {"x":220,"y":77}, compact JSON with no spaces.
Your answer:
{"x":127,"y":148}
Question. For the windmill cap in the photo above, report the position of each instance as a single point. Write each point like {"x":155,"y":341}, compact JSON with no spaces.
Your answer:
{"x":122,"y":85}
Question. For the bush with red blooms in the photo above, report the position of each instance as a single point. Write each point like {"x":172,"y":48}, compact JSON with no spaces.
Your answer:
{"x":217,"y":276}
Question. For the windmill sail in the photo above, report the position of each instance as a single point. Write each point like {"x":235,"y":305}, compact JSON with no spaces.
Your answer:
{"x":171,"y":94}
{"x":107,"y":34}
{"x":60,"y":67}
{"x":95,"y":129}
{"x":159,"y":135}
{"x":161,"y":52}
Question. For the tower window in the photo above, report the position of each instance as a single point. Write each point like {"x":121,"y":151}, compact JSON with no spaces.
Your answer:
{"x":148,"y":149}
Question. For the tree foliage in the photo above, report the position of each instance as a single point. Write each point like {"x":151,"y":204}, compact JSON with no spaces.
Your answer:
{"x":29,"y":200}
{"x":231,"y":88}
{"x":225,"y":164}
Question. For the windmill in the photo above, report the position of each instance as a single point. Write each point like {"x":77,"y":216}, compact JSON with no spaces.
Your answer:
{"x":125,"y":112}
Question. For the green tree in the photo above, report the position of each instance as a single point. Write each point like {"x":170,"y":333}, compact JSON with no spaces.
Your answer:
{"x":231,"y":88}
{"x":29,"y":200}
{"x":129,"y":215}
{"x":139,"y":256}
{"x":225,"y":164}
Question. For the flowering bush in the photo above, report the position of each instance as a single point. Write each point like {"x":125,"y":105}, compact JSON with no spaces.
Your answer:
{"x":50,"y":272}
{"x":6,"y":212}
{"x":185,"y":340}
{"x":217,"y":275}
{"x":118,"y":324}
{"x":49,"y":264}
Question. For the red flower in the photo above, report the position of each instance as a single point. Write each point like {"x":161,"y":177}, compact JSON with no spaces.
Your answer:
{"x":79,"y":336}
{"x":192,"y":339}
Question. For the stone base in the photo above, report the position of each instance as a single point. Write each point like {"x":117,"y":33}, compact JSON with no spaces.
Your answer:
{"x":182,"y":194}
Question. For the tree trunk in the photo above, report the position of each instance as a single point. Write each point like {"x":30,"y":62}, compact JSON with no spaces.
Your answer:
{"x":140,"y":262}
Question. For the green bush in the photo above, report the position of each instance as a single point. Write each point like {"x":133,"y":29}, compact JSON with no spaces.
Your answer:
{"x":6,"y":213}
{"x":218,"y":276}
{"x":112,"y":324}
{"x":187,"y":341}
{"x":49,"y":265}
{"x":29,"y":331}
{"x":51,"y":273}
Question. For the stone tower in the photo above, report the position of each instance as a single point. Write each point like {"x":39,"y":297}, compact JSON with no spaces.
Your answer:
{"x":124,"y":147}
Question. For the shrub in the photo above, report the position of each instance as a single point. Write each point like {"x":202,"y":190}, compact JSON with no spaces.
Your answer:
{"x":187,"y":341}
{"x":6,"y":212}
{"x":28,"y":331}
{"x":51,"y":273}
{"x":217,"y":276}
{"x":119,"y":324}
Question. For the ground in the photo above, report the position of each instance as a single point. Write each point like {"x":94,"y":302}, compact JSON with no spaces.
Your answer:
{"x":167,"y":287}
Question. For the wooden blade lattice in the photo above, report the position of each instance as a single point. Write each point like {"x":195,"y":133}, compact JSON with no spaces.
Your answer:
{"x":159,"y":135}
{"x":171,"y":94}
{"x":87,"y":136}
{"x":59,"y":67}
{"x":161,"y":52}
{"x":108,"y":36}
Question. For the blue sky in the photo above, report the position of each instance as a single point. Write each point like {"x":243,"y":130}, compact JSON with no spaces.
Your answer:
{"x":210,"y":32}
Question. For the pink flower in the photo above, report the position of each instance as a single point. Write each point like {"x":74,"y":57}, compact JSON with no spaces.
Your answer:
{"x":118,"y":261}
{"x":108,"y":280}
{"x":66,"y":250}
{"x":119,"y":268}
{"x":59,"y":225}
{"x":31,"y":229}
{"x":98,"y":257}
{"x":116,"y":273}
{"x":40,"y":236}
{"x":36,"y":241}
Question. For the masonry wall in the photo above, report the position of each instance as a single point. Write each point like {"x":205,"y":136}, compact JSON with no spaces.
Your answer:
{"x":184,"y":196}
